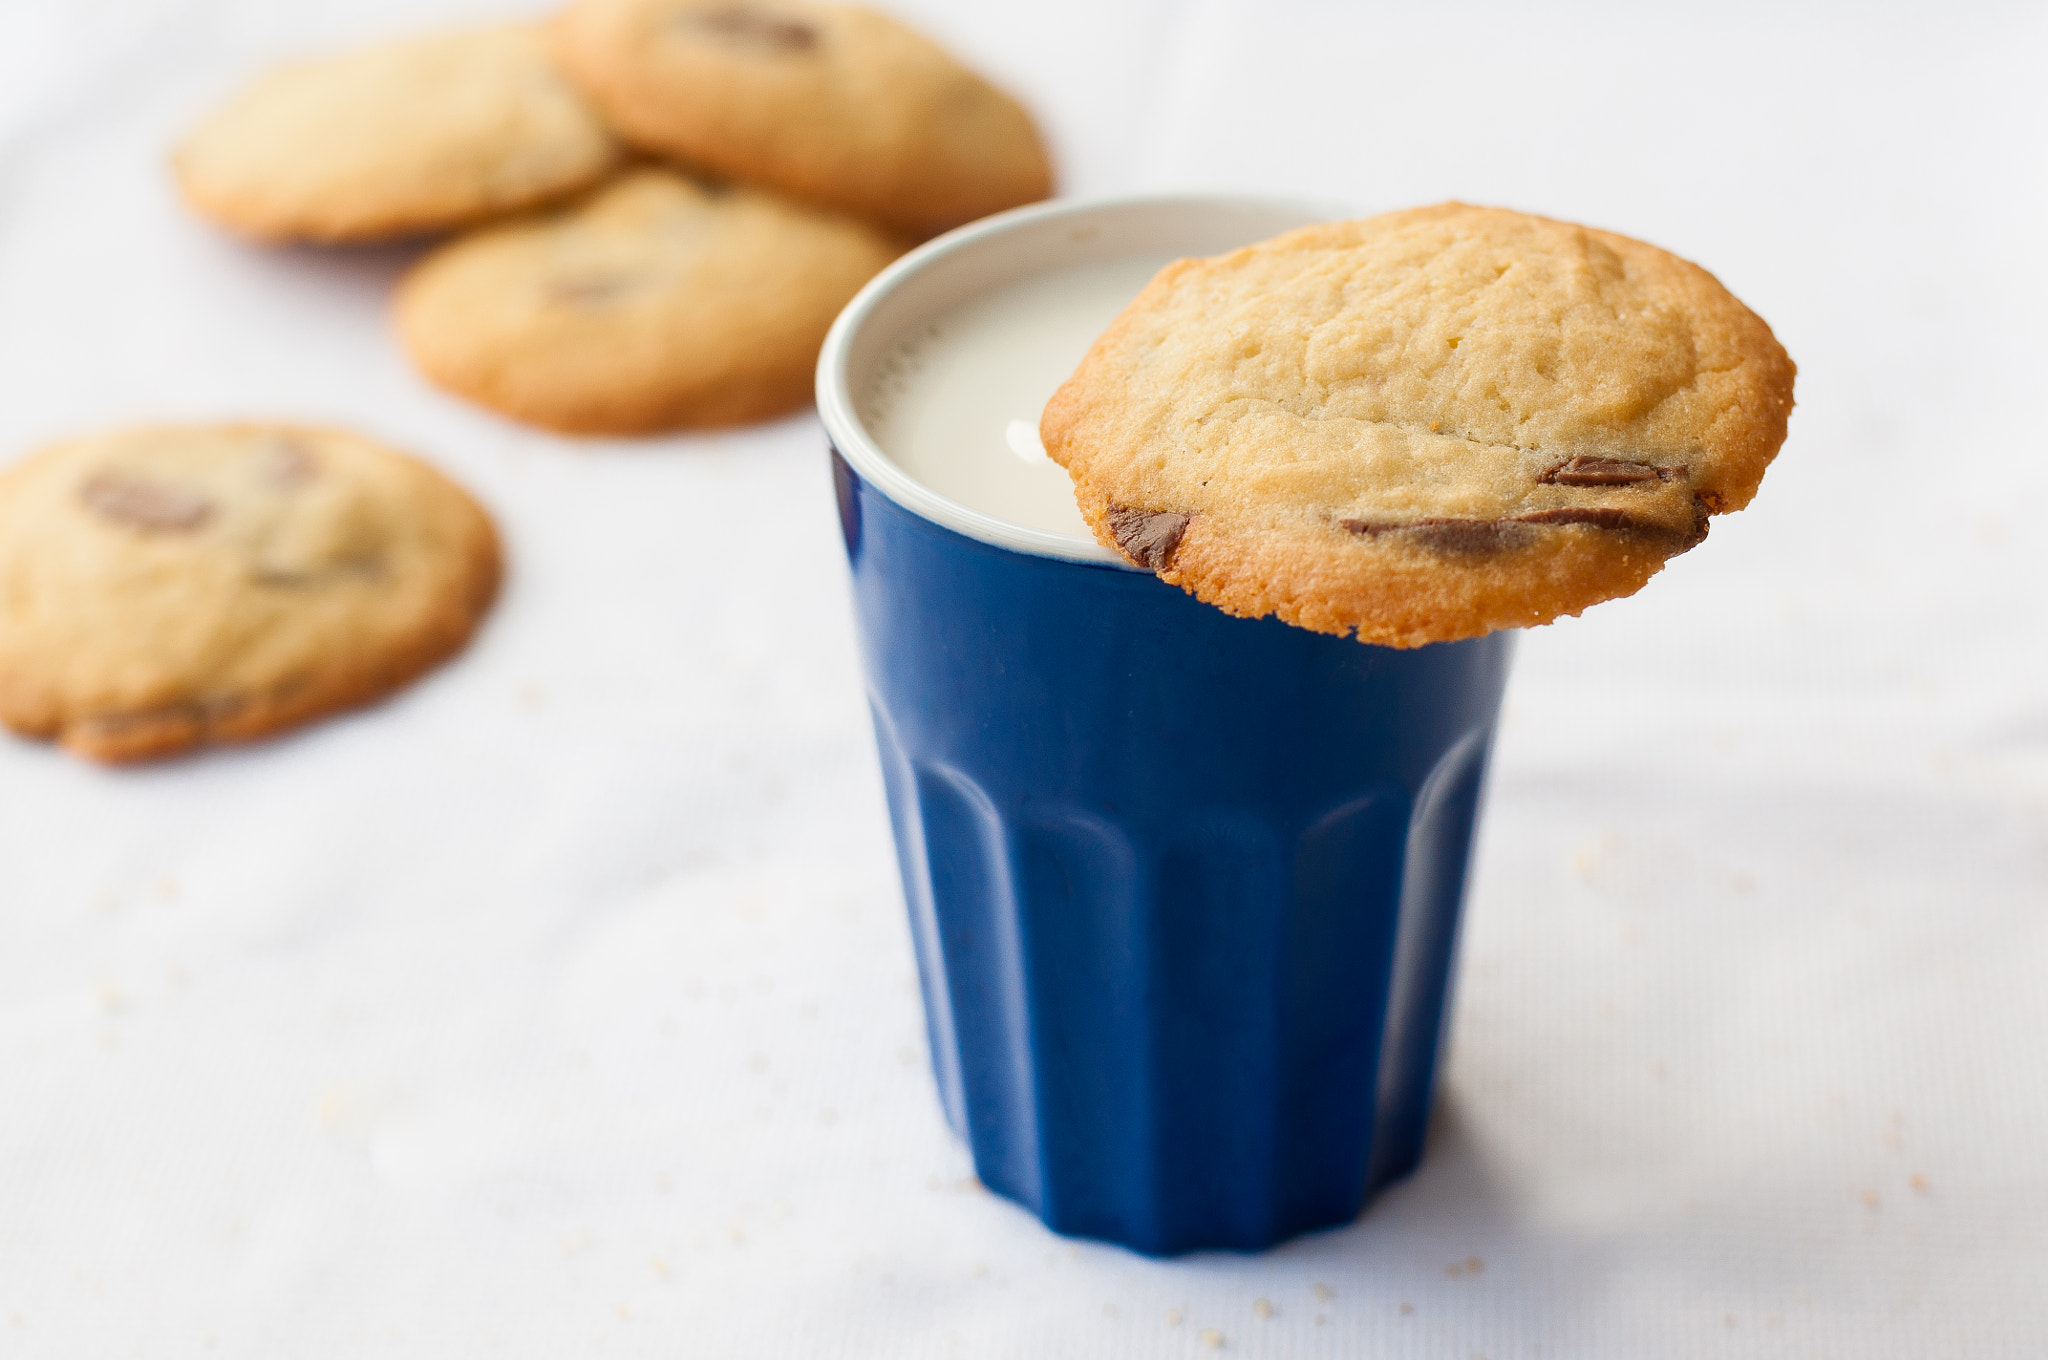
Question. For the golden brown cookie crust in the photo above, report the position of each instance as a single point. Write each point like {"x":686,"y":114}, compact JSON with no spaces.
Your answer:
{"x":655,"y":304}
{"x":169,"y":587}
{"x":1421,"y":426}
{"x":832,"y":104}
{"x":419,"y":135}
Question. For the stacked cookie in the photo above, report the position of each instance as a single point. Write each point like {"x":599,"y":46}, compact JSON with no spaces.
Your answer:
{"x":666,"y":201}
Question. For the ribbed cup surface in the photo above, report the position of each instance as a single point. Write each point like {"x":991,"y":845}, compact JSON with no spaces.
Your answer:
{"x":1184,"y":888}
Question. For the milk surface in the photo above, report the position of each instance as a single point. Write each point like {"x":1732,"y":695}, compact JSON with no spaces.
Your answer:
{"x":956,"y":404}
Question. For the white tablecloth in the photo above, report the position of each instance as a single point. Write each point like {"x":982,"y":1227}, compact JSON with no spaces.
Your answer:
{"x":562,"y":1005}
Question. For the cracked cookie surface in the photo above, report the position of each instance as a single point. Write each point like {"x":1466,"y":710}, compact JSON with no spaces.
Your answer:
{"x":654,"y":304}
{"x":418,"y":135}
{"x":167,"y":587}
{"x":1421,"y":426}
{"x":832,"y":104}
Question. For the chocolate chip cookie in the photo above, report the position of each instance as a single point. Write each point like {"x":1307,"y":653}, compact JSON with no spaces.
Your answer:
{"x":1421,"y":426}
{"x":657,"y":303}
{"x":168,"y":587}
{"x":418,"y":135}
{"x":829,"y":103}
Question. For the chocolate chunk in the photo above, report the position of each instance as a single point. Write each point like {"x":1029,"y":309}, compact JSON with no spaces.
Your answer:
{"x":1446,"y":535}
{"x":1702,"y":513}
{"x":1148,"y":537}
{"x":1621,"y":521}
{"x":1493,"y":535}
{"x":1584,"y":471}
{"x":142,"y":504}
{"x":753,"y":28}
{"x":1598,"y":516}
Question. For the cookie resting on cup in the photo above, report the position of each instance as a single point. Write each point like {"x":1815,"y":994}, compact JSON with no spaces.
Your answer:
{"x":1421,"y":426}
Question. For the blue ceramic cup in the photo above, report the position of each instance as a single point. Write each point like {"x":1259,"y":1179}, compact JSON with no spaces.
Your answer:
{"x":1185,"y":888}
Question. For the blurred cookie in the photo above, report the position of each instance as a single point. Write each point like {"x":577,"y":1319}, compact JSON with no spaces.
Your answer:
{"x":830,"y":103}
{"x":167,"y":587}
{"x":1421,"y":426}
{"x":654,"y":304}
{"x":419,"y":135}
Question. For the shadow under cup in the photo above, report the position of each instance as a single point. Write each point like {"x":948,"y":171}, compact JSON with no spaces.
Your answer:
{"x":1184,"y":888}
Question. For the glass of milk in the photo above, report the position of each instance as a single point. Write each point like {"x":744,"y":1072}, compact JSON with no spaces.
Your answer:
{"x":1184,"y":888}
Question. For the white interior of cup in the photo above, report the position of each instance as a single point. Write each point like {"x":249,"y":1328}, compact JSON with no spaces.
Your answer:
{"x":983,"y":256}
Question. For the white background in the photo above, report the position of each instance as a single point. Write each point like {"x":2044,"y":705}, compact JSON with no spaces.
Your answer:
{"x":562,"y":1005}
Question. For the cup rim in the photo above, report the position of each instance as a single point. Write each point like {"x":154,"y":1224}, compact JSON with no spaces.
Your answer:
{"x":850,"y":437}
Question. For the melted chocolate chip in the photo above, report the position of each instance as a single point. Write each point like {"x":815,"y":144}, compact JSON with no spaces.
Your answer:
{"x":1148,"y":537}
{"x":1584,"y":471}
{"x":761,"y":31}
{"x":141,"y":504}
{"x":294,"y":578}
{"x":288,"y":464}
{"x":143,"y":734}
{"x":592,"y":290}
